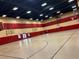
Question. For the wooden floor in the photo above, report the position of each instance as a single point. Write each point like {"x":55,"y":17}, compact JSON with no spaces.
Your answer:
{"x":61,"y":45}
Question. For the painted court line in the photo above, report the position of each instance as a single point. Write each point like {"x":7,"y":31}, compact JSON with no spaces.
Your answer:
{"x":12,"y":57}
{"x":62,"y":45}
{"x":38,"y":51}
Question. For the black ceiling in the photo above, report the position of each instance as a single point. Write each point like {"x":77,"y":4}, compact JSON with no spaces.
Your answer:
{"x":35,"y":7}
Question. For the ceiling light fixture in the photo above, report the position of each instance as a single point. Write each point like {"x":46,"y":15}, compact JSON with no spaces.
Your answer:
{"x":41,"y":19}
{"x":44,"y":4}
{"x":51,"y":8}
{"x":37,"y":19}
{"x":4,"y":15}
{"x":50,"y":17}
{"x":41,"y":14}
{"x":17,"y":17}
{"x":15,"y":8}
{"x":31,"y":18}
{"x":58,"y":11}
{"x":75,"y":9}
{"x":70,"y":0}
{"x":46,"y":16}
{"x":28,"y":12}
{"x":74,"y":6}
{"x":61,"y":13}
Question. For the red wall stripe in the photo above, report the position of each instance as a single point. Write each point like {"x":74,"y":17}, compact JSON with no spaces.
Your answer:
{"x":8,"y":39}
{"x":20,"y":26}
{"x":1,"y":26}
{"x":63,"y":28}
{"x":62,"y":20}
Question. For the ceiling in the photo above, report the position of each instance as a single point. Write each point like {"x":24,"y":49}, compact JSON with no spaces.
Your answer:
{"x":35,"y":9}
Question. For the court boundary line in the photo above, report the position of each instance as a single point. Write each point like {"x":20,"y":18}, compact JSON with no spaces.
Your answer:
{"x":11,"y":57}
{"x":38,"y":51}
{"x":52,"y":57}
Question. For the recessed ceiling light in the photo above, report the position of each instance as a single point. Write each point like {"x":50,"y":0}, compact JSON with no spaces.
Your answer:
{"x":31,"y":18}
{"x":44,"y":4}
{"x":37,"y":19}
{"x":41,"y":19}
{"x":28,"y":12}
{"x":74,"y":6}
{"x":75,"y":9}
{"x":61,"y":13}
{"x":41,"y":14}
{"x":70,"y":0}
{"x":50,"y":17}
{"x":15,"y":8}
{"x":46,"y":16}
{"x":51,"y":8}
{"x":4,"y":15}
{"x":58,"y":11}
{"x":17,"y":17}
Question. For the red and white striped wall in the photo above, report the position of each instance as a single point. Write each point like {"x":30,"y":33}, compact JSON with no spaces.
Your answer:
{"x":14,"y":29}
